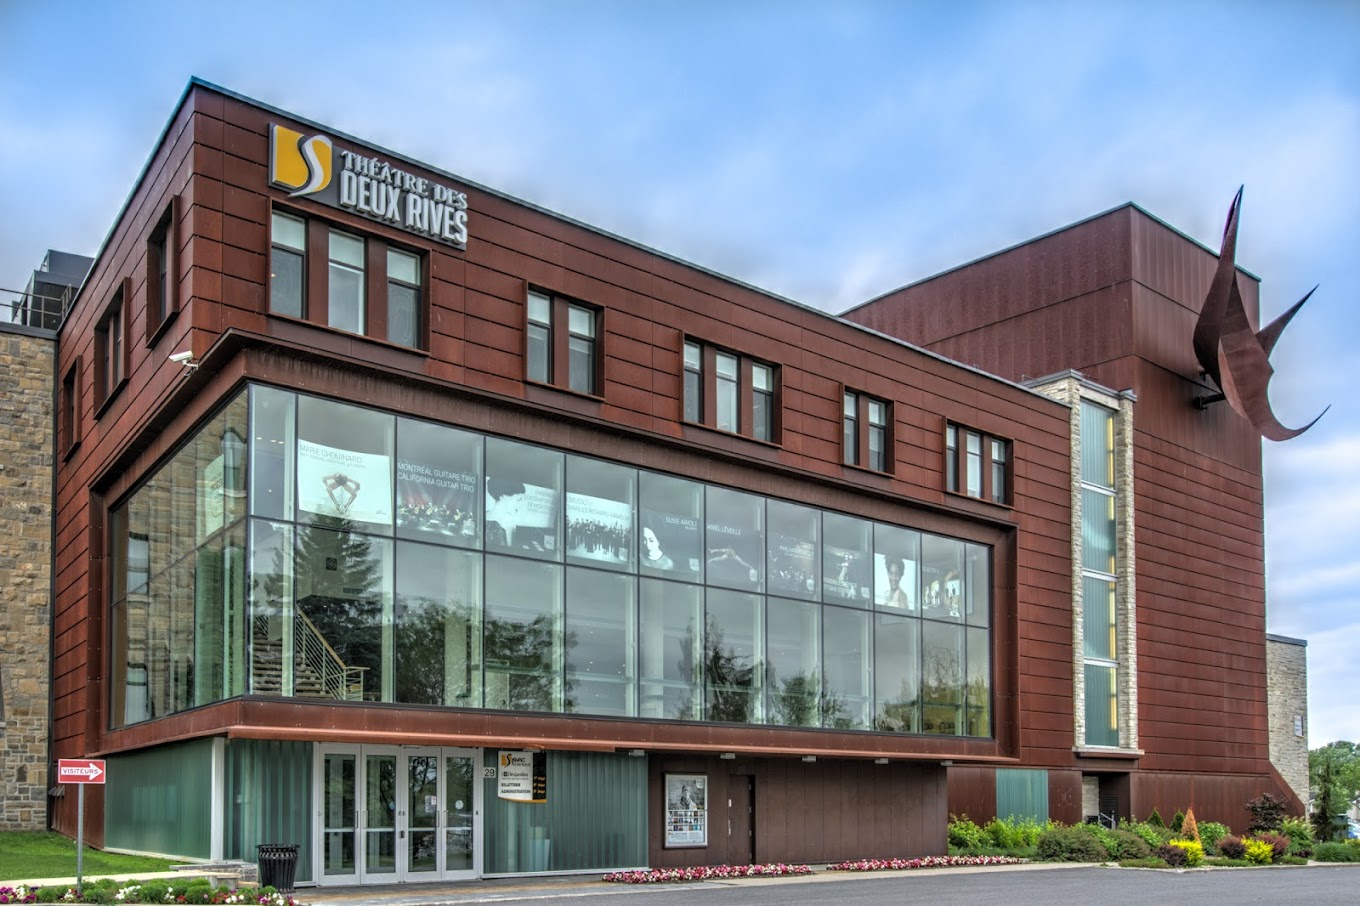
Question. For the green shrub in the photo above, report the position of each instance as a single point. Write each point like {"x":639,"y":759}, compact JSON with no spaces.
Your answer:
{"x":1070,"y":844}
{"x":1178,"y":821}
{"x":1150,"y":834}
{"x":1004,"y":834}
{"x":1210,"y":832}
{"x":1194,"y":852}
{"x":1299,"y":832}
{"x":1173,"y":856}
{"x":1155,"y":819}
{"x":964,"y":834}
{"x":1221,"y":862}
{"x":51,"y":894}
{"x":1128,"y":846}
{"x":1336,"y":852}
{"x":154,"y":891}
{"x":1290,"y":859}
{"x":1103,"y":836}
{"x":1149,"y":862}
{"x":1259,"y":852}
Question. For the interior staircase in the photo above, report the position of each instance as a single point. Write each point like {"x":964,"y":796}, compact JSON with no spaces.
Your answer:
{"x":318,"y":672}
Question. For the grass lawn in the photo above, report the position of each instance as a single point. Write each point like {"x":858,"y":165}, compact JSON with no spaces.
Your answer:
{"x":41,"y":855}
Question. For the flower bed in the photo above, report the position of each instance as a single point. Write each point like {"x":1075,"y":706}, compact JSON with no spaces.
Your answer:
{"x":705,"y":873}
{"x":106,"y":891}
{"x":926,"y":862}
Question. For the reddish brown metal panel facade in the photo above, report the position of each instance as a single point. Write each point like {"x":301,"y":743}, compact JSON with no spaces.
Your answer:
{"x":214,"y":159}
{"x":1133,"y":288}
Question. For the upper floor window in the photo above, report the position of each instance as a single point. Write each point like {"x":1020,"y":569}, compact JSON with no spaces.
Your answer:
{"x":730,"y":392}
{"x":562,"y":343}
{"x":161,"y":284}
{"x":287,"y":257}
{"x":346,"y":288}
{"x":345,"y":299}
{"x":977,"y":464}
{"x":68,"y":412}
{"x":864,"y":435}
{"x":111,"y":346}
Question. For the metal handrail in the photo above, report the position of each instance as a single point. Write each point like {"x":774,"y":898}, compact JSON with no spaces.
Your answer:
{"x":338,"y":679}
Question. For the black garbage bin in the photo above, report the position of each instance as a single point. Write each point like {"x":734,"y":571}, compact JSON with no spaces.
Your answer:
{"x":278,"y":865}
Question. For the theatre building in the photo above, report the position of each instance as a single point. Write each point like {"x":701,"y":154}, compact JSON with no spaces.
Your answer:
{"x":447,"y":537}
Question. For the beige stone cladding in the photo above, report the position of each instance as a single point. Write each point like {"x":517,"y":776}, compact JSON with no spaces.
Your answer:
{"x":26,"y":379}
{"x":1287,"y":700}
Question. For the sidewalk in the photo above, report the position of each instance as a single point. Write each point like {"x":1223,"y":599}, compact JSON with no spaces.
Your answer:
{"x":455,"y":893}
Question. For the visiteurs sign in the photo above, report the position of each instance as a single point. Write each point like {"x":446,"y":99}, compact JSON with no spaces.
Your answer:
{"x":305,"y":166}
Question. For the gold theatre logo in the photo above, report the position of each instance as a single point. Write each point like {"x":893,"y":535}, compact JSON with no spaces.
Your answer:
{"x":305,"y":166}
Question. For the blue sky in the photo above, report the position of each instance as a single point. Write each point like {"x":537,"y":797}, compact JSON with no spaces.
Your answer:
{"x":827,"y":152}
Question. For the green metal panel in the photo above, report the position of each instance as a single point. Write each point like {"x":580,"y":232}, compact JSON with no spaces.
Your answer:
{"x":160,"y":800}
{"x":595,"y":817}
{"x":1022,"y":793}
{"x":269,"y":797}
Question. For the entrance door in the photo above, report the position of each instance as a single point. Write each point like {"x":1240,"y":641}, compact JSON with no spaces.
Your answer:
{"x":388,"y":814}
{"x":741,"y":818}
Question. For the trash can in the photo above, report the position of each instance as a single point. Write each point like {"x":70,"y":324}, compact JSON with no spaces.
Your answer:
{"x":278,"y":865}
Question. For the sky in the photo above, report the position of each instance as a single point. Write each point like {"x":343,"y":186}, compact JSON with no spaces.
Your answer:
{"x":827,"y":152}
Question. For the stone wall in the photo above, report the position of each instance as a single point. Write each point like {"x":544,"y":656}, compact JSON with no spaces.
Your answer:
{"x":25,"y":572}
{"x":1287,"y":698}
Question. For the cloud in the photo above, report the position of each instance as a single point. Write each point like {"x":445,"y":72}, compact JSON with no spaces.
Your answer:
{"x":1333,"y":677}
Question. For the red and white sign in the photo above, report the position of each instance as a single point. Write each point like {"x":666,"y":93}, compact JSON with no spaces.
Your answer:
{"x":80,"y":770}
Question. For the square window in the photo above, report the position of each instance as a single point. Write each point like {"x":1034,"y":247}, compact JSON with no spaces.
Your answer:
{"x":979,"y":466}
{"x":568,"y":358}
{"x":865,"y":434}
{"x":730,"y":392}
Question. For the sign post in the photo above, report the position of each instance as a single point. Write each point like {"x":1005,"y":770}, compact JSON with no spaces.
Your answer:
{"x":80,"y":771}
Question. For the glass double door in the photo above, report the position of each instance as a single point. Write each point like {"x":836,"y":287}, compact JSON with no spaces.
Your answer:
{"x":388,"y":814}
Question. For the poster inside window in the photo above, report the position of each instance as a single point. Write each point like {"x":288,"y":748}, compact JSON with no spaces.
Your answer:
{"x":438,"y":475}
{"x":734,"y":540}
{"x":523,"y":499}
{"x":686,"y":810}
{"x":792,"y":552}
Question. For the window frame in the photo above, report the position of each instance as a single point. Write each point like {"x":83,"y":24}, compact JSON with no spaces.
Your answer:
{"x":68,"y":425}
{"x":162,"y":271}
{"x":557,"y":368}
{"x":864,"y":428}
{"x":112,"y":363}
{"x":956,"y":464}
{"x":707,"y":372}
{"x":316,"y":267}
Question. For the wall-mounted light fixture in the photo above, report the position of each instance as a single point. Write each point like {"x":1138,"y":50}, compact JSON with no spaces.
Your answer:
{"x":728,"y":756}
{"x":880,"y":761}
{"x":809,"y":758}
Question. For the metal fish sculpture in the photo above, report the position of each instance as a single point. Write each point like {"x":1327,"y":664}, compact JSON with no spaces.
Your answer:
{"x":1231,"y":354}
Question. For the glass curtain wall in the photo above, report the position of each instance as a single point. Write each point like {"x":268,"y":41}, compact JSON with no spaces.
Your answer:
{"x":177,"y":583}
{"x":385,"y":559}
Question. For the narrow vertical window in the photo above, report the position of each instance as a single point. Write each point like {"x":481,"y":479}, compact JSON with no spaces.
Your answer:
{"x":113,"y":361}
{"x":694,"y":383}
{"x":581,"y":349}
{"x":878,"y":436}
{"x":974,"y":454}
{"x":403,"y":298}
{"x":762,"y":402}
{"x":998,"y":471}
{"x":850,"y":430}
{"x":726,"y":368}
{"x":110,"y":347}
{"x":951,"y":458}
{"x":161,"y":303}
{"x":345,"y":299}
{"x":68,"y":424}
{"x":539,"y":347}
{"x":287,"y":259}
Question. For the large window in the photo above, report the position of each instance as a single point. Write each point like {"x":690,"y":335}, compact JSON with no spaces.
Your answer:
{"x":387,"y":559}
{"x":865,"y":432}
{"x":561,"y":343}
{"x":977,"y":464}
{"x":1099,"y":583}
{"x":730,"y":392}
{"x":363,"y":285}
